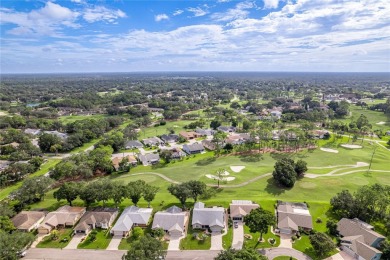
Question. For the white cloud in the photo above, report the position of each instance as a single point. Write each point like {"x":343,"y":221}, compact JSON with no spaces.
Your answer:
{"x":269,"y":4}
{"x":160,"y":17}
{"x":177,"y":12}
{"x":197,"y":11}
{"x":239,"y":12}
{"x":101,"y":13}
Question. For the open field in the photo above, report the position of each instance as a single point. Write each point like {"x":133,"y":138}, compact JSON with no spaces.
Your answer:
{"x":71,"y":119}
{"x":151,"y":131}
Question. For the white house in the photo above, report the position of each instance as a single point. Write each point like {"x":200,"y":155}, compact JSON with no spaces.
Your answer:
{"x":131,"y":217}
{"x":208,"y":218}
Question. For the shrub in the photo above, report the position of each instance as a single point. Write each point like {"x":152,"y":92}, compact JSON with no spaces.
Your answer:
{"x":319,"y":220}
{"x":293,"y":238}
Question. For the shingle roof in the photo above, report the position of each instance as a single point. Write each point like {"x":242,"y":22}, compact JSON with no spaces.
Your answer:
{"x":63,"y":215}
{"x":294,"y":215}
{"x":134,"y":143}
{"x":26,"y":219}
{"x":170,"y":219}
{"x":193,"y":147}
{"x":93,"y":217}
{"x":241,"y":207}
{"x":208,"y":216}
{"x":351,"y":227}
{"x":132,"y":215}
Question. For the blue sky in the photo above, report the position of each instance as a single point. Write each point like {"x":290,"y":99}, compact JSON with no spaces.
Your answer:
{"x":225,"y":35}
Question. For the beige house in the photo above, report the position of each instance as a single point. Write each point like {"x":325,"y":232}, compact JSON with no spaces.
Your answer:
{"x":292,"y":216}
{"x":28,"y":220}
{"x":98,"y":218}
{"x":130,"y":160}
{"x":65,"y":216}
{"x":359,"y":240}
{"x":240,"y":208}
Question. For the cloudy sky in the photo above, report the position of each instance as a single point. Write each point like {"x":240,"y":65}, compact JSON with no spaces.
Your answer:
{"x":180,"y":35}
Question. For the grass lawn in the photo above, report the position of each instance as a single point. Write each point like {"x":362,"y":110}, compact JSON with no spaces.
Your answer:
{"x":151,"y":131}
{"x":103,"y":238}
{"x":253,"y":243}
{"x":190,"y":242}
{"x":64,"y":233}
{"x":284,"y":258}
{"x":303,"y":245}
{"x":228,"y":238}
{"x":71,"y":119}
{"x":44,"y":169}
{"x":125,"y":244}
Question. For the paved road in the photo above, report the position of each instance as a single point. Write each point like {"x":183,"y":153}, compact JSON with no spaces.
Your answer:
{"x":271,"y":253}
{"x":85,"y":254}
{"x":238,"y":236}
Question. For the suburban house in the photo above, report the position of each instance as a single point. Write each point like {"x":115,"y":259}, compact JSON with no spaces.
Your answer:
{"x":131,"y":217}
{"x":359,"y":240}
{"x":240,"y":208}
{"x":62,"y":136}
{"x":65,"y":216}
{"x":97,"y":218}
{"x":237,"y":138}
{"x":319,"y":134}
{"x":205,"y":132}
{"x":209,"y":145}
{"x":193,"y":148}
{"x":276,"y":114}
{"x":177,"y":153}
{"x":292,"y":216}
{"x":226,"y":129}
{"x":173,"y":221}
{"x":149,"y":159}
{"x":130,"y":158}
{"x":32,"y":131}
{"x":208,"y":218}
{"x":171,"y":138}
{"x":133,"y":144}
{"x":28,"y":220}
{"x":152,"y":141}
{"x":189,"y":135}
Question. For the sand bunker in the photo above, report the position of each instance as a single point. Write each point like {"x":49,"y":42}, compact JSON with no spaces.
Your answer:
{"x":351,"y":146}
{"x":237,"y":168}
{"x":2,"y":113}
{"x":221,"y":179}
{"x":381,"y":123}
{"x":361,"y":164}
{"x":329,"y":150}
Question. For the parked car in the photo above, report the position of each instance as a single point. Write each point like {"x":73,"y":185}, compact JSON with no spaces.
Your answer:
{"x":235,"y":224}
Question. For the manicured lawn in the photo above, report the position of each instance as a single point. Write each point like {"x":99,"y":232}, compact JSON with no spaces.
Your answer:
{"x":64,"y":233}
{"x":177,"y":126}
{"x":126,"y":244}
{"x":285,"y":258}
{"x":228,"y":238}
{"x":190,"y":242}
{"x":253,"y":242}
{"x":303,"y":245}
{"x":70,"y":119}
{"x":103,"y":238}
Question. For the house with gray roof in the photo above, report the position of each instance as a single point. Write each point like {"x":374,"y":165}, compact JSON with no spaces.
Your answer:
{"x":131,"y":217}
{"x":208,"y":218}
{"x":28,"y":220}
{"x":97,"y":218}
{"x":149,"y":159}
{"x":226,"y":129}
{"x":171,"y":138}
{"x":193,"y":148}
{"x":205,"y":132}
{"x":359,"y":240}
{"x":292,"y":216}
{"x":62,"y":136}
{"x":133,"y":144}
{"x":173,"y":221}
{"x":153,"y":141}
{"x":32,"y":131}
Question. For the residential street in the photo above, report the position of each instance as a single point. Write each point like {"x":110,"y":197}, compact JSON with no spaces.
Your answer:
{"x":271,"y":253}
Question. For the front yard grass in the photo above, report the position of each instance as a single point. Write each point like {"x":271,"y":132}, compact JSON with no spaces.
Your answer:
{"x":126,"y":242}
{"x":253,"y":242}
{"x":103,"y":238}
{"x":191,"y":242}
{"x":64,"y":237}
{"x":285,"y":258}
{"x":304,"y":245}
{"x":228,"y":238}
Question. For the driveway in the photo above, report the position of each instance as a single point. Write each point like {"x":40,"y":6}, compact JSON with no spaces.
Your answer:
{"x":174,"y":243}
{"x":340,"y":256}
{"x":271,"y":253}
{"x":238,"y":236}
{"x":39,"y":239}
{"x":76,"y":239}
{"x":216,"y":241}
{"x":285,"y":241}
{"x":114,"y":244}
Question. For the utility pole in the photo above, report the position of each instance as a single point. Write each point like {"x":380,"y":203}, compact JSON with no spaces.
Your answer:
{"x":372,"y":157}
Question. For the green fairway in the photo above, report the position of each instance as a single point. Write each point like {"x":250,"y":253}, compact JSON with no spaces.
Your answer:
{"x":71,"y":119}
{"x":151,"y":131}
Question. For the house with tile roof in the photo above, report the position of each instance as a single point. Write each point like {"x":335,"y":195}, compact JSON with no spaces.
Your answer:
{"x":208,"y":218}
{"x":292,"y":216}
{"x":131,"y":217}
{"x":97,"y":218}
{"x":28,"y":220}
{"x":240,"y":208}
{"x":359,"y":240}
{"x":173,"y":221}
{"x":65,"y":216}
